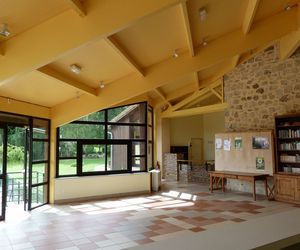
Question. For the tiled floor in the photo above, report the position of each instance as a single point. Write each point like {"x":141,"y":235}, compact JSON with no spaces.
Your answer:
{"x":133,"y":221}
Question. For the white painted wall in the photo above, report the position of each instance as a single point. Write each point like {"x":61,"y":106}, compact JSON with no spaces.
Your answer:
{"x":92,"y":186}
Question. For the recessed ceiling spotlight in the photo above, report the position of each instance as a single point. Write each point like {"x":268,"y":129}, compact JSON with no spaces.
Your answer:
{"x":101,"y":85}
{"x":4,"y":31}
{"x":75,"y":68}
{"x":203,"y":14}
{"x":175,"y":54}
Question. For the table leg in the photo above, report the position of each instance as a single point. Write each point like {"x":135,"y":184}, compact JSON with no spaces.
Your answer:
{"x":223,"y":188}
{"x":254,"y":189}
{"x":266,"y":187}
{"x":211,"y":183}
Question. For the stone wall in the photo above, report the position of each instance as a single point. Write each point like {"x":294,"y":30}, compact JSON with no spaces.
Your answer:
{"x":256,"y":91}
{"x":261,"y":88}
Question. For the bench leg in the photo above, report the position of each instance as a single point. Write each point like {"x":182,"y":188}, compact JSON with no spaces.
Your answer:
{"x":254,"y":190}
{"x":266,"y":187}
{"x":211,"y":184}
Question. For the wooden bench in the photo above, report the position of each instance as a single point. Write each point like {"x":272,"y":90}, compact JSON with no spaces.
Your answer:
{"x":219,"y":177}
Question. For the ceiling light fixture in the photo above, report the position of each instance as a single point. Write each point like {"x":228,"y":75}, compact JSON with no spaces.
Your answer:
{"x":204,"y":42}
{"x":101,"y":85}
{"x":4,"y":31}
{"x":288,"y":6}
{"x":203,"y":14}
{"x":8,"y":100}
{"x":75,"y":68}
{"x":175,"y":54}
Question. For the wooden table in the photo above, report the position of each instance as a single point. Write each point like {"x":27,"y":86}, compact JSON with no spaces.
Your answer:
{"x":218,"y":177}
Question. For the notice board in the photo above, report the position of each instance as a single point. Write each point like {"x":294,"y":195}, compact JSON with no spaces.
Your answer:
{"x":249,"y":152}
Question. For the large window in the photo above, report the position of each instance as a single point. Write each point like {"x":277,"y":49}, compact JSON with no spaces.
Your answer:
{"x":106,"y":142}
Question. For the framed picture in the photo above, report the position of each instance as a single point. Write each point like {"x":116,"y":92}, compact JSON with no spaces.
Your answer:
{"x":238,"y":142}
{"x":227,"y":144}
{"x":260,"y":143}
{"x":260,"y":163}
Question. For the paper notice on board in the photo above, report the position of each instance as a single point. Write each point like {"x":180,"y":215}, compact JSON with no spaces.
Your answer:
{"x":227,"y":144}
{"x":218,"y":143}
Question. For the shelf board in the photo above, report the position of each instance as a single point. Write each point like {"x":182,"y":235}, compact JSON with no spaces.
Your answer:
{"x":289,"y":162}
{"x":288,"y":126}
{"x":287,"y":173}
{"x":289,"y":138}
{"x":289,"y":150}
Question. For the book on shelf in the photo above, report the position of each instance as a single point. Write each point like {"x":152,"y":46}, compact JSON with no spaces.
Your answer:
{"x":289,"y":133}
{"x":290,"y":145}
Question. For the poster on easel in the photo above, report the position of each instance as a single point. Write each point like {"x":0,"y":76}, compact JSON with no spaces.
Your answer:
{"x":218,"y":143}
{"x":227,"y":144}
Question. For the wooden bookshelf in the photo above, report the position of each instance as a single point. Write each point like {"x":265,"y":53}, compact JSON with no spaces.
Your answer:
{"x":287,"y":172}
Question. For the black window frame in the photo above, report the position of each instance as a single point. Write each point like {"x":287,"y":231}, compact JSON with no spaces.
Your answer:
{"x":106,"y":141}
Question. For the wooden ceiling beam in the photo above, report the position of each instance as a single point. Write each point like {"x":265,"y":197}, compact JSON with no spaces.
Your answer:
{"x":124,"y":55}
{"x":289,"y":44}
{"x":63,"y":34}
{"x":235,"y":61}
{"x":227,"y":46}
{"x":66,"y":80}
{"x":195,"y":111}
{"x":187,"y":27}
{"x":196,"y":76}
{"x":162,"y":96}
{"x":77,"y":6}
{"x":249,"y":15}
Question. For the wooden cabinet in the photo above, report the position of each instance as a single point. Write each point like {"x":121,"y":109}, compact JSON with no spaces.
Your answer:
{"x":287,"y":172}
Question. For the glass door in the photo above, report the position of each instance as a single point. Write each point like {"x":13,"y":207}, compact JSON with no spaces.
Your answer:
{"x":2,"y":172}
{"x":38,"y":173}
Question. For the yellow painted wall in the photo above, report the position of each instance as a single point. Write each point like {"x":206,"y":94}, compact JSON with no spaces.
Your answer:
{"x":92,"y":186}
{"x":23,"y":108}
{"x":212,"y":123}
{"x":184,"y":128}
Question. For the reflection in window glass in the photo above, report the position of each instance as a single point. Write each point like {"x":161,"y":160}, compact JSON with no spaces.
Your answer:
{"x":39,"y":173}
{"x":138,"y":148}
{"x":39,"y":151}
{"x":93,"y":158}
{"x":126,"y":132}
{"x":81,"y":131}
{"x":94,"y":117}
{"x":40,"y":129}
{"x":68,"y":167}
{"x":138,"y":163}
{"x":1,"y":190}
{"x":128,"y":114}
{"x":67,"y":149}
{"x":116,"y":157}
{"x":39,"y":195}
{"x":150,"y":156}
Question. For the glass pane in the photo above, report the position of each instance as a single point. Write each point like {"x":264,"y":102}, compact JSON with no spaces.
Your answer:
{"x":128,"y":114}
{"x":39,"y":173}
{"x":116,"y":157}
{"x":149,"y":134}
{"x":150,"y":159}
{"x":16,"y":119}
{"x":39,"y":151}
{"x":1,"y":150}
{"x":81,"y":131}
{"x":126,"y":132}
{"x":94,"y":117}
{"x":39,"y":195}
{"x":138,"y":163}
{"x":15,"y":187}
{"x":40,"y":129}
{"x":67,"y":149}
{"x":67,"y":167}
{"x":138,"y":148}
{"x":93,"y":158}
{"x":15,"y":149}
{"x":149,"y":118}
